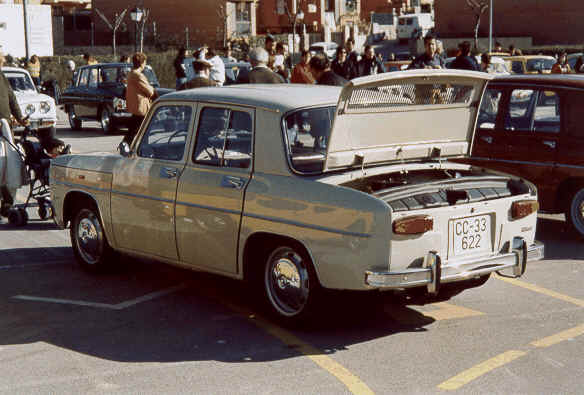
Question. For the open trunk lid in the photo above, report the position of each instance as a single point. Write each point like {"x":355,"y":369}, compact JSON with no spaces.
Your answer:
{"x":405,"y":115}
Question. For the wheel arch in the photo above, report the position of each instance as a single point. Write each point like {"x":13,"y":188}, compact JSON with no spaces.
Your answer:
{"x":258,"y":245}
{"x":73,"y":201}
{"x":565,"y":191}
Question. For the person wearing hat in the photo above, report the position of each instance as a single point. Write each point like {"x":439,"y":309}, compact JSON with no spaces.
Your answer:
{"x":139,"y":95}
{"x":202,"y":69}
{"x":260,"y":73}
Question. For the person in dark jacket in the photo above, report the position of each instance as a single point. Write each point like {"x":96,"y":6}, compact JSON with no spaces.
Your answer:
{"x":202,"y":69}
{"x":340,"y":64}
{"x":464,"y":61}
{"x":320,"y":68}
{"x":370,"y":64}
{"x":260,"y":73}
{"x":352,"y":68}
{"x":180,"y":68}
{"x":430,"y":59}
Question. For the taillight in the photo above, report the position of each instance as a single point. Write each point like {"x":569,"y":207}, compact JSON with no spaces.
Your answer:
{"x":414,"y":225}
{"x":523,"y":208}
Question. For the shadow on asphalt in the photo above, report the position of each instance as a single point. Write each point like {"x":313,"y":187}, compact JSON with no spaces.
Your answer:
{"x":560,"y":242}
{"x":213,"y":318}
{"x":87,"y":132}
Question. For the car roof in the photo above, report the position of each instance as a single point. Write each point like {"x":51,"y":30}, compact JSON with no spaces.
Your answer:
{"x":276,"y":97}
{"x":14,"y":69}
{"x":561,"y":80}
{"x":527,"y":57}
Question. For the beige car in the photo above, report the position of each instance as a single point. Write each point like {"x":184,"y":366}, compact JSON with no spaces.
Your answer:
{"x":297,"y":188}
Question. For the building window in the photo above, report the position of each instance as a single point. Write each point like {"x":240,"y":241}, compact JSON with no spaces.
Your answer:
{"x":243,"y":18}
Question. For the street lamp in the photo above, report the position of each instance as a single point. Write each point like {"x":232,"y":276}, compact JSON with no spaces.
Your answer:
{"x":136,"y":15}
{"x":491,"y":27}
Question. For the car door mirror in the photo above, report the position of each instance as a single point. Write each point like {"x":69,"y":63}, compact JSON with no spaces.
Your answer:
{"x":124,"y":149}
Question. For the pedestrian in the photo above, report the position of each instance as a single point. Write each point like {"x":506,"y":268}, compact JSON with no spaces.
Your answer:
{"x":217,"y":73}
{"x":8,"y":108}
{"x":280,"y":64}
{"x":352,"y":59}
{"x":485,"y":65}
{"x":430,"y":59}
{"x":180,"y":69}
{"x":562,"y":66}
{"x":339,"y":64}
{"x":498,"y":47}
{"x":578,"y":65}
{"x":229,"y":54}
{"x":202,"y":69}
{"x":124,"y":59}
{"x":260,"y":73}
{"x":320,"y":67}
{"x":370,"y":64}
{"x":34,"y":69}
{"x":139,"y":95}
{"x":301,"y":73}
{"x":89,"y":60}
{"x":269,"y":44}
{"x":464,"y":61}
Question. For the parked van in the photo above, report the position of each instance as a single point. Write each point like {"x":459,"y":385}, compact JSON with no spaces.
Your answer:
{"x":411,"y":24}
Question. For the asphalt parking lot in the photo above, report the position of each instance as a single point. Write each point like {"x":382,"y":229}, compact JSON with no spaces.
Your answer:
{"x":150,"y":328}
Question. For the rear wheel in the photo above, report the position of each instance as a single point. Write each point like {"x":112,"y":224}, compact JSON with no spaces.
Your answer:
{"x":105,"y":119}
{"x":89,"y":242}
{"x":74,"y":122}
{"x":575,"y":212}
{"x":290,"y":284}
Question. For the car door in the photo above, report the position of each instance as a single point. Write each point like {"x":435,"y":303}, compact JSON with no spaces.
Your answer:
{"x":79,"y":95}
{"x":532,"y":125}
{"x":212,"y":187}
{"x":144,"y":183}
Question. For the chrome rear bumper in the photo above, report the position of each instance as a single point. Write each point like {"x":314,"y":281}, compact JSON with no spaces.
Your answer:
{"x":433,"y":273}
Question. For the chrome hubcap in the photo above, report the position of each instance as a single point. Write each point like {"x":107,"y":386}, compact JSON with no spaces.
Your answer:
{"x":89,"y":238}
{"x":287,"y":282}
{"x":105,"y":119}
{"x":581,"y":210}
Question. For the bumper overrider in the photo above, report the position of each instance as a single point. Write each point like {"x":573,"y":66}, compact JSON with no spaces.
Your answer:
{"x":433,"y":273}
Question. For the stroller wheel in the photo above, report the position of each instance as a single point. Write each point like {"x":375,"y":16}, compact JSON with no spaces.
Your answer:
{"x":17,"y":216}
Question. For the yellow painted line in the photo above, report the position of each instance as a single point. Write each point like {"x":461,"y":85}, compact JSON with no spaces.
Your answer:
{"x":559,"y":337}
{"x":478,"y":370}
{"x":448,"y":311}
{"x":535,"y":288}
{"x":352,"y":382}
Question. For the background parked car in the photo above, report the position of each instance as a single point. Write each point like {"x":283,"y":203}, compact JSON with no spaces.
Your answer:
{"x":328,"y":48}
{"x":98,"y":93}
{"x":530,"y":64}
{"x":498,"y":64}
{"x":40,"y":108}
{"x":531,"y":126}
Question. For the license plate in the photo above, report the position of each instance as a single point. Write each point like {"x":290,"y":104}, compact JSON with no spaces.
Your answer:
{"x":470,"y":235}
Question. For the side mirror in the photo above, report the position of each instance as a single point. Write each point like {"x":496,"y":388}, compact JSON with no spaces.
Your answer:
{"x":124,"y":149}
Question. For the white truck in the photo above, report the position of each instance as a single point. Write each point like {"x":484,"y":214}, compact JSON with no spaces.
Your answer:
{"x":40,"y":30}
{"x":410,"y":25}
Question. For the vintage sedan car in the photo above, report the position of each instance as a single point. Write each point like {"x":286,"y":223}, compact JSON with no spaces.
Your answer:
{"x":327,"y":48}
{"x":530,"y":64}
{"x":531,"y":126}
{"x":40,"y":108}
{"x":98,"y":94}
{"x":297,"y":188}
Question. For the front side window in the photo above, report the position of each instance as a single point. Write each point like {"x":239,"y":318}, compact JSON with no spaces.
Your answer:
{"x":83,"y":77}
{"x":489,"y":108}
{"x":307,"y":135}
{"x":224,"y":138}
{"x":167,"y":133}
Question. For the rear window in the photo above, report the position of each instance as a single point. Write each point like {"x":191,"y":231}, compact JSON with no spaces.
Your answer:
{"x":540,"y":64}
{"x":307,"y":135}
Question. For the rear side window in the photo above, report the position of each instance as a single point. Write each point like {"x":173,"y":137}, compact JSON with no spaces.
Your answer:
{"x":546,"y":117}
{"x":224,"y":138}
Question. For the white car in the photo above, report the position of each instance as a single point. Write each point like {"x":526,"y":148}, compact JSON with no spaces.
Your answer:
{"x":327,"y":48}
{"x":40,"y":108}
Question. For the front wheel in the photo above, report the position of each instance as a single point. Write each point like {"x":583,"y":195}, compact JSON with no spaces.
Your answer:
{"x":290,"y":284}
{"x":575,"y":212}
{"x":105,"y":119}
{"x":74,"y":121}
{"x":89,"y":242}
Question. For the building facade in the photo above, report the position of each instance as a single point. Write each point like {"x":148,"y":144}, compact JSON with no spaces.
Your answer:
{"x":547,"y":22}
{"x":180,"y":21}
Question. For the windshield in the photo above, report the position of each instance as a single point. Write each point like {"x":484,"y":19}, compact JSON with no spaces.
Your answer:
{"x":307,"y":135}
{"x":148,"y":72}
{"x":540,"y":64}
{"x":20,"y":82}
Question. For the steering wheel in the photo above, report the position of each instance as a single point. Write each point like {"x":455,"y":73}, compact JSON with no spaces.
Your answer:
{"x":212,"y":155}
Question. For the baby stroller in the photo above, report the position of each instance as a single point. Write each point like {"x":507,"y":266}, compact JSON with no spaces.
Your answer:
{"x":34,"y":172}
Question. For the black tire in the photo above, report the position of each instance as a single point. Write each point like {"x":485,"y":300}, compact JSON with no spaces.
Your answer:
{"x":290,"y":285}
{"x":17,"y":217}
{"x":105,"y":120}
{"x":575,"y":212}
{"x":90,"y":246}
{"x":74,"y":122}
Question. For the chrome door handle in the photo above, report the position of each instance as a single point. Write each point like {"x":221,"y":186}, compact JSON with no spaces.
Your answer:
{"x":168,"y":172}
{"x":232,"y":182}
{"x":551,"y":144}
{"x":487,"y":139}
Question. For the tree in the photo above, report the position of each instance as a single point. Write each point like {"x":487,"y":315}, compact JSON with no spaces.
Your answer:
{"x":224,"y":14}
{"x":478,"y":8}
{"x":142,"y":24}
{"x":113,"y":27}
{"x":293,"y":19}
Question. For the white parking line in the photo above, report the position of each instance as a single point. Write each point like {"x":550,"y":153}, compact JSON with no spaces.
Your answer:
{"x":119,"y":306}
